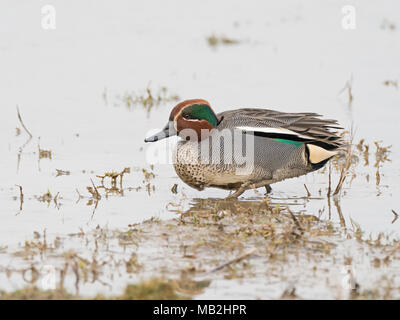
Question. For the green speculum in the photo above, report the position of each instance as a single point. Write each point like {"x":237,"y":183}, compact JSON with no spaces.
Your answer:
{"x":296,"y":143}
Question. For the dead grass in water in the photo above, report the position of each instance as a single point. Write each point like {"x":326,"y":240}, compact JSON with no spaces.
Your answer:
{"x":212,"y":240}
{"x":148,"y":100}
{"x":215,"y":41}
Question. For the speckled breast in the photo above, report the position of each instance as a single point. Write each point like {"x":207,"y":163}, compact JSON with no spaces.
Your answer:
{"x":188,"y":166}
{"x":200,"y":171}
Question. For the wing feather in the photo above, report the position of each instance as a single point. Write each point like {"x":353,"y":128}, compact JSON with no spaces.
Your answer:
{"x":303,"y":126}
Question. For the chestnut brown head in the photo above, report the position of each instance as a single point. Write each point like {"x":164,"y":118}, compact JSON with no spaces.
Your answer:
{"x":194,"y":114}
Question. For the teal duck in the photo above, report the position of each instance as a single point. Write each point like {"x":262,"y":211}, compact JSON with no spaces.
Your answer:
{"x":279,"y":145}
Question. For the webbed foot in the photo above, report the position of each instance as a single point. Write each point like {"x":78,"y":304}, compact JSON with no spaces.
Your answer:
{"x":239,"y":191}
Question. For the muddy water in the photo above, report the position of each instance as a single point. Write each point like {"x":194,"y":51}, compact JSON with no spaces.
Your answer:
{"x":69,"y":83}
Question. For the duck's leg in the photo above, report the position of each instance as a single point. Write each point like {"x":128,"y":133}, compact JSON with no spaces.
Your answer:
{"x":268,"y":188}
{"x":239,"y":191}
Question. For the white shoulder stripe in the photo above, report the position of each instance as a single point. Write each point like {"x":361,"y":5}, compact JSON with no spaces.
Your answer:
{"x":273,"y":130}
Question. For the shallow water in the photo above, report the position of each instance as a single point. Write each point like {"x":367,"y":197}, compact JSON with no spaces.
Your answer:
{"x":293,"y":56}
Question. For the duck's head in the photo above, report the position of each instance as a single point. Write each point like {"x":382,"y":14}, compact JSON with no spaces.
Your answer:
{"x":194,"y":114}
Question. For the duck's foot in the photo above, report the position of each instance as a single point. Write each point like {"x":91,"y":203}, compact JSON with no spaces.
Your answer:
{"x":268,"y":189}
{"x":235,"y":195}
{"x":239,"y":191}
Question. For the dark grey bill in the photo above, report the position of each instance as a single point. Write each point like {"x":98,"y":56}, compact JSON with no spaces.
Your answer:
{"x":168,"y":131}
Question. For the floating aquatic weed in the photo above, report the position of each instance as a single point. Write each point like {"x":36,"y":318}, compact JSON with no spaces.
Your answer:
{"x":148,"y":100}
{"x":60,"y":172}
{"x":36,"y":247}
{"x":132,"y":264}
{"x":113,"y":177}
{"x":148,"y":176}
{"x":112,"y":184}
{"x":93,"y":191}
{"x":364,"y":150}
{"x":388,"y":25}
{"x":43,"y":154}
{"x":48,"y":198}
{"x":214,"y":40}
{"x":392,"y":83}
{"x":381,"y":154}
{"x":95,"y":196}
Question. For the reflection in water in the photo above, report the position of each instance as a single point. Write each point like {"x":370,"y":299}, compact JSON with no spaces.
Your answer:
{"x":113,"y":177}
{"x":272,"y":204}
{"x":199,"y":205}
{"x":21,"y":198}
{"x":49,"y":198}
{"x":43,"y":154}
{"x":219,"y":207}
{"x":20,"y":150}
{"x":95,"y":197}
{"x":396,"y":216}
{"x":349,"y":88}
{"x":339,"y":211}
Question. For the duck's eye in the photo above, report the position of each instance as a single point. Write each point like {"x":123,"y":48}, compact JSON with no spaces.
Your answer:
{"x":188,"y":116}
